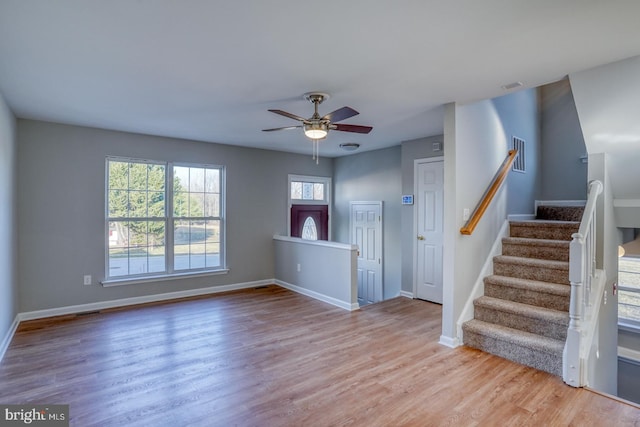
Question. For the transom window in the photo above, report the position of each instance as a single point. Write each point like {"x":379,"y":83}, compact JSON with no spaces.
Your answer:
{"x":309,"y":189}
{"x":152,"y":231}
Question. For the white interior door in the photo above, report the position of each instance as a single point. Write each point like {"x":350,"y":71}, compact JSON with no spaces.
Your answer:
{"x":428,"y":211}
{"x":366,"y":232}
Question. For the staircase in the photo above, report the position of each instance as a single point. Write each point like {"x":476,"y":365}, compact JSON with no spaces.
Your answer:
{"x":524,"y":313}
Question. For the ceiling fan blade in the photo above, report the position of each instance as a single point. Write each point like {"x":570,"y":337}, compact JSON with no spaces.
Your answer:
{"x":340,"y":114}
{"x":291,"y":116}
{"x":284,"y":128}
{"x":352,"y":128}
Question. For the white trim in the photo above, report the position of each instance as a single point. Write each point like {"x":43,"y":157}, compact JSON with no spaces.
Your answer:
{"x":521,"y":217}
{"x":626,"y":203}
{"x":629,"y":354}
{"x":73,"y":309}
{"x":406,"y":294}
{"x":327,"y":243}
{"x":414,"y":247}
{"x":450,"y":342}
{"x":628,"y":325}
{"x":4,"y":345}
{"x":321,"y":297}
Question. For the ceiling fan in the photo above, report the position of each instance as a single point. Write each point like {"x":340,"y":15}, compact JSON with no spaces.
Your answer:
{"x":317,"y":127}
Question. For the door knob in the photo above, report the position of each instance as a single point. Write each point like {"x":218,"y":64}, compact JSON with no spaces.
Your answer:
{"x":420,"y":237}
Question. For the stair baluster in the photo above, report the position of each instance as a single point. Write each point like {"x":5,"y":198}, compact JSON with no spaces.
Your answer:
{"x":585,"y":301}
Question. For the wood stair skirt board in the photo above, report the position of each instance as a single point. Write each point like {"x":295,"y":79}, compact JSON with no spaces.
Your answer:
{"x":524,"y":313}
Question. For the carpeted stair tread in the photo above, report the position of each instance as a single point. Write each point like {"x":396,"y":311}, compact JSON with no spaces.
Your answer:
{"x":547,"y":223}
{"x":504,"y":333}
{"x":560,"y":213}
{"x":529,"y":318}
{"x":544,"y":229}
{"x":557,"y":250}
{"x":529,"y":349}
{"x":532,"y":268}
{"x":557,"y":265}
{"x":546,"y":287}
{"x":534,"y":292}
{"x":524,"y":313}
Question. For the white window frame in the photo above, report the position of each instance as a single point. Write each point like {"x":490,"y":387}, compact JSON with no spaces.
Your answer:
{"x":326,"y":201}
{"x":169,"y":219}
{"x":624,"y":322}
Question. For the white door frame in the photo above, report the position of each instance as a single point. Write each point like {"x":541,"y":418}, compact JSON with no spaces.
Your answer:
{"x":379,"y":243}
{"x":415,"y":217}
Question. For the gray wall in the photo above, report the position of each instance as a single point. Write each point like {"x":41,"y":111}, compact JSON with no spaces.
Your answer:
{"x":564,"y":174}
{"x":629,"y":370}
{"x":297,"y":264}
{"x":477,"y":138}
{"x":8,"y":221}
{"x":519,"y":117}
{"x":61,"y":179}
{"x":372,"y":176}
{"x":629,"y":380}
{"x":412,"y":150}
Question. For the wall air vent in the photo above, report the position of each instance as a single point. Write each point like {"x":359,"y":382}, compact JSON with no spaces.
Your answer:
{"x":519,"y":162}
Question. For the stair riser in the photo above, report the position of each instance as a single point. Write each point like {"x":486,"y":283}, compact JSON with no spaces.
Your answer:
{"x":540,"y":299}
{"x":541,"y":232}
{"x":521,"y":322}
{"x":538,"y":252}
{"x":543,"y":274}
{"x":551,"y":363}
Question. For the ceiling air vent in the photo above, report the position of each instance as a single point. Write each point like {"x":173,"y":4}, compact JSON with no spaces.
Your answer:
{"x":518,"y":163}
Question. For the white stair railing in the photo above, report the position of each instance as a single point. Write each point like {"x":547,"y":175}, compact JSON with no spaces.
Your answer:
{"x":587,"y":285}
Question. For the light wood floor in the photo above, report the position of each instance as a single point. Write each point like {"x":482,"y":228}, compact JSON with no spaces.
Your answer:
{"x":270,"y":357}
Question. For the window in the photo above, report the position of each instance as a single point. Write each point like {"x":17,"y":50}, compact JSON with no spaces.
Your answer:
{"x":309,"y":230}
{"x":197,"y":220}
{"x":629,"y":291}
{"x":301,"y":190}
{"x":152,"y":231}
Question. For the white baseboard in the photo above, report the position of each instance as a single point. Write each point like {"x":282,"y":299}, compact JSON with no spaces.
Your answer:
{"x":4,"y":344}
{"x":321,"y":297}
{"x":449,"y":341}
{"x":406,"y":294}
{"x":73,"y":309}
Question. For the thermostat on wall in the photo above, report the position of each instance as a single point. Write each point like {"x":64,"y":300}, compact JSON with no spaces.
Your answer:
{"x":407,"y":199}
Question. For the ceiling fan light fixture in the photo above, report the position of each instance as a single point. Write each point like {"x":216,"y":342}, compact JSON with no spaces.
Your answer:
{"x":316,"y":131}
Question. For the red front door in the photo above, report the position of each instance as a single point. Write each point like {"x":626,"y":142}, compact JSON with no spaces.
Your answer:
{"x":318,"y":215}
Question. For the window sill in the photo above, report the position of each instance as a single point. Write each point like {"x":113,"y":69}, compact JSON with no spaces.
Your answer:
{"x":161,"y":278}
{"x":629,"y":326}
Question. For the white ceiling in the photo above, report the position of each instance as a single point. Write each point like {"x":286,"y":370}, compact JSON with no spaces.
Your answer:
{"x":209,"y":70}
